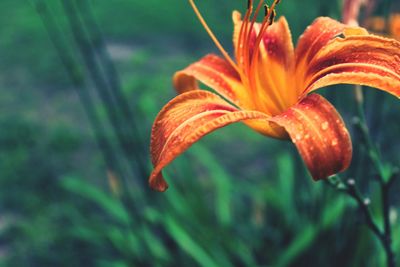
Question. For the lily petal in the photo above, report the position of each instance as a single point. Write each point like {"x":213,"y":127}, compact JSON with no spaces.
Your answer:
{"x":316,"y":36}
{"x":216,"y":73}
{"x":274,"y":68}
{"x":277,"y":40}
{"x":183,"y":121}
{"x":358,"y":59}
{"x":319,"y":134}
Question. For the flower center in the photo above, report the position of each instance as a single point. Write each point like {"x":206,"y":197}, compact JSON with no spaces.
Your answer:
{"x":248,"y":55}
{"x":248,"y":52}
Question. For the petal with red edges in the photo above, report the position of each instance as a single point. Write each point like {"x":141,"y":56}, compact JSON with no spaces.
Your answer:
{"x":183,"y":121}
{"x":316,"y":36}
{"x":319,"y":134}
{"x":274,"y":70}
{"x":360,"y":59}
{"x":278,"y":42}
{"x":276,"y":65}
{"x":216,"y":73}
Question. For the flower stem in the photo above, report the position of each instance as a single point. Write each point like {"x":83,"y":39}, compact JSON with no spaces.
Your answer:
{"x":386,"y":218}
{"x":385,"y":178}
{"x":384,"y":236}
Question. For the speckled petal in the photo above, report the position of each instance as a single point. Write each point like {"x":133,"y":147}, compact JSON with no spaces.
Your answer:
{"x":319,"y":134}
{"x":316,"y":36}
{"x":358,"y":59}
{"x":216,"y":73}
{"x":183,"y":121}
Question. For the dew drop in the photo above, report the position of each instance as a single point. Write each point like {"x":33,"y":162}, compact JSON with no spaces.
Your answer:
{"x":334,"y":142}
{"x":324,"y":125}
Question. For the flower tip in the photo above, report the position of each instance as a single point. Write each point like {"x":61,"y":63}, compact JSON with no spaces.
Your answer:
{"x":236,"y":16}
{"x":158,"y":183}
{"x":183,"y":82}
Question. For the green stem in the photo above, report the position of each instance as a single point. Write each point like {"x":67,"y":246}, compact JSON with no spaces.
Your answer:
{"x":385,"y":181}
{"x":361,"y":123}
{"x":386,"y":218}
{"x":384,"y":236}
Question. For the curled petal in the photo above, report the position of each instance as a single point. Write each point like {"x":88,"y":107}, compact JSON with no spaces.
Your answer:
{"x":319,"y":134}
{"x":316,"y":36}
{"x":183,"y":121}
{"x":358,"y":59}
{"x":216,"y":73}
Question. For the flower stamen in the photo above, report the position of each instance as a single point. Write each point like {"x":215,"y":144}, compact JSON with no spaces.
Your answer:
{"x":248,"y":37}
{"x":269,"y":17}
{"x":213,"y":37}
{"x":242,"y":39}
{"x":267,"y":21}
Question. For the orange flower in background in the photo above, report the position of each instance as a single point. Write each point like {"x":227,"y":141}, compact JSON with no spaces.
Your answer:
{"x":376,"y":24}
{"x":394,"y":25}
{"x":268,"y":87}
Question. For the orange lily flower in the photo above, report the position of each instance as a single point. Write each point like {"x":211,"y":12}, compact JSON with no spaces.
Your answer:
{"x":268,"y":87}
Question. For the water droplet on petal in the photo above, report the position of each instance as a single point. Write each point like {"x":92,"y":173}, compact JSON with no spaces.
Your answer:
{"x":324,"y":125}
{"x":334,"y":142}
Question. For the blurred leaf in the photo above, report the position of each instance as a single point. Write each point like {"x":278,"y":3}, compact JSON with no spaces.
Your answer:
{"x":333,"y":211}
{"x":286,"y":185}
{"x":87,"y":191}
{"x":157,"y":248}
{"x":103,"y":263}
{"x":126,"y":242}
{"x":90,"y":235}
{"x":302,"y":241}
{"x":186,"y":243}
{"x":220,"y":178}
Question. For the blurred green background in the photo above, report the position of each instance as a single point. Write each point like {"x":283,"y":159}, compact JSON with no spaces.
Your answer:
{"x":74,"y":162}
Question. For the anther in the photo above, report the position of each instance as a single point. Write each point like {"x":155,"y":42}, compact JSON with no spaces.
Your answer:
{"x":266,"y":10}
{"x":272,"y":17}
{"x":277,"y":2}
{"x":249,"y":4}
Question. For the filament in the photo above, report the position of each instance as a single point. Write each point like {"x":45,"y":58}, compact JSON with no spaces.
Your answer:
{"x":247,"y":40}
{"x":241,"y":42}
{"x":211,"y":34}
